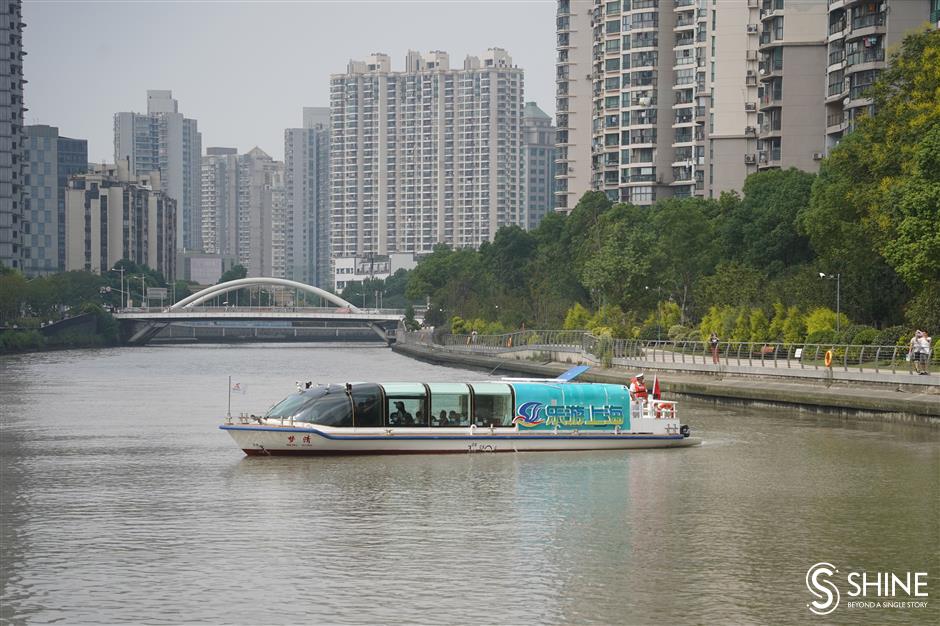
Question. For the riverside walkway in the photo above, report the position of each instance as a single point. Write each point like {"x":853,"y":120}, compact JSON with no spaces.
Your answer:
{"x":856,"y":383}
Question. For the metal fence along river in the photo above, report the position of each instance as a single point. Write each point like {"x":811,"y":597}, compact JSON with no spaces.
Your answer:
{"x":853,"y":362}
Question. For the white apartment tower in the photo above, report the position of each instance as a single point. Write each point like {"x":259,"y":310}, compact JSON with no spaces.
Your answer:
{"x":654,"y":92}
{"x":307,"y":187}
{"x":219,"y":201}
{"x":245,"y":214}
{"x":164,"y":140}
{"x":426,"y":155}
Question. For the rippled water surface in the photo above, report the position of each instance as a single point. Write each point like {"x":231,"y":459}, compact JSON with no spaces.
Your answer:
{"x":122,"y":502}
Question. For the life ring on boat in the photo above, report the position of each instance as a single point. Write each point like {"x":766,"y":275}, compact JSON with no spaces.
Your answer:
{"x":665,"y":407}
{"x":828,"y":359}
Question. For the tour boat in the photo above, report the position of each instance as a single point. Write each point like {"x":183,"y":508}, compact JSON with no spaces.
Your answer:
{"x":512,"y":415}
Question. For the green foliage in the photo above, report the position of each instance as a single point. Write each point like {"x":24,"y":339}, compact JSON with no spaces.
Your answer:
{"x":819,"y":319}
{"x":614,"y":320}
{"x":678,"y":332}
{"x":825,"y":336}
{"x":604,"y":349}
{"x":794,"y":326}
{"x":760,"y":231}
{"x":760,"y":327}
{"x":410,"y":322}
{"x":777,"y":322}
{"x":865,"y":337}
{"x":742,"y":325}
{"x":893,"y":336}
{"x":237,"y":272}
{"x":874,"y":214}
{"x":923,"y":311}
{"x":577,"y":318}
{"x":21,"y":341}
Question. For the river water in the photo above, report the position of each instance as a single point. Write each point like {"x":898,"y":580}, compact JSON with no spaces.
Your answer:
{"x":123,"y":502}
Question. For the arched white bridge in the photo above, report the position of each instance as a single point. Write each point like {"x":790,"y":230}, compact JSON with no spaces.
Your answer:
{"x":148,"y":322}
{"x":234,"y":285}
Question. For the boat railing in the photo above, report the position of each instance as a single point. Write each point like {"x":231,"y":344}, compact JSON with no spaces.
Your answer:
{"x":814,"y":359}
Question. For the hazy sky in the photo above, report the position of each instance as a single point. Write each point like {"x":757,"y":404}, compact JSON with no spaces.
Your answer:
{"x":245,"y":69}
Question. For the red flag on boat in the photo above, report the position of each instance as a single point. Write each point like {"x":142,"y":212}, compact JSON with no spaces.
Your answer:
{"x":656,"y":393}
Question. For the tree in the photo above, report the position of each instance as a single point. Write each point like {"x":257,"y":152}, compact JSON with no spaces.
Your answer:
{"x":235,"y":273}
{"x":875,"y":209}
{"x":761,"y":230}
{"x":686,"y":247}
{"x":619,"y":269}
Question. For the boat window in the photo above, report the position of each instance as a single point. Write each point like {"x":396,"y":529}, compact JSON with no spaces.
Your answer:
{"x":288,"y":406}
{"x":450,"y":404}
{"x":405,"y":404}
{"x":332,"y":409}
{"x":294,"y":403}
{"x":404,"y":411}
{"x":493,"y":404}
{"x":367,"y":401}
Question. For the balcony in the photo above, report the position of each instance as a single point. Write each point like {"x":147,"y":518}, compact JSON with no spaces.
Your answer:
{"x":835,"y":121}
{"x":871,"y":55}
{"x":868,"y":21}
{"x":837,"y":26}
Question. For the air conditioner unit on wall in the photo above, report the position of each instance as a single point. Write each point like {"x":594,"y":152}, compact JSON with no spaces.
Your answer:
{"x":818,"y":156}
{"x":750,"y":159}
{"x":752,"y":29}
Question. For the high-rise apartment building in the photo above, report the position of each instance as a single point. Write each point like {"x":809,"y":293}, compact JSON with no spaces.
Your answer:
{"x":111,"y":215}
{"x":574,"y":111}
{"x":538,"y":145}
{"x":260,"y":246}
{"x":219,"y":201}
{"x":859,"y":33}
{"x":164,"y":140}
{"x":307,"y":193}
{"x":245,"y":213}
{"x":426,"y":155}
{"x":667,"y":87}
{"x":792,"y":73}
{"x":51,"y":159}
{"x":13,"y":225}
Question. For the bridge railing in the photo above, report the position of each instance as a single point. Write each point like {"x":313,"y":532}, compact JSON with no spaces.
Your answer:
{"x":783,"y":358}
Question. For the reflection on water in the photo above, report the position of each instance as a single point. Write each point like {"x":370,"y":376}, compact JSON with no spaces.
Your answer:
{"x":122,"y":502}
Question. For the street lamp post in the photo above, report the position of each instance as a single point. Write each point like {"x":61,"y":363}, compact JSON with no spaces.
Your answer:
{"x":838,"y":277}
{"x":142,"y":291}
{"x":123,"y":295}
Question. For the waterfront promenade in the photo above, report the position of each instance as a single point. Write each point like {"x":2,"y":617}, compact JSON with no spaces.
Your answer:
{"x":880,"y":389}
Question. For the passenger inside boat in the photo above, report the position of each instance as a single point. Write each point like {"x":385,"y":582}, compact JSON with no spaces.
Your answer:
{"x":401,"y":417}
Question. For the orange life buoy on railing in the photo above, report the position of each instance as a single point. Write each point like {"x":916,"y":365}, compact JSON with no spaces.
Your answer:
{"x":828,"y":358}
{"x":665,"y":407}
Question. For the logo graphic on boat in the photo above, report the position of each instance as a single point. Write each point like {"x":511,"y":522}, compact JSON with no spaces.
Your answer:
{"x":529,"y":414}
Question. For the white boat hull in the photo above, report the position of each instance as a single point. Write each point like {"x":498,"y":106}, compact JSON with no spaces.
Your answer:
{"x":323,"y":440}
